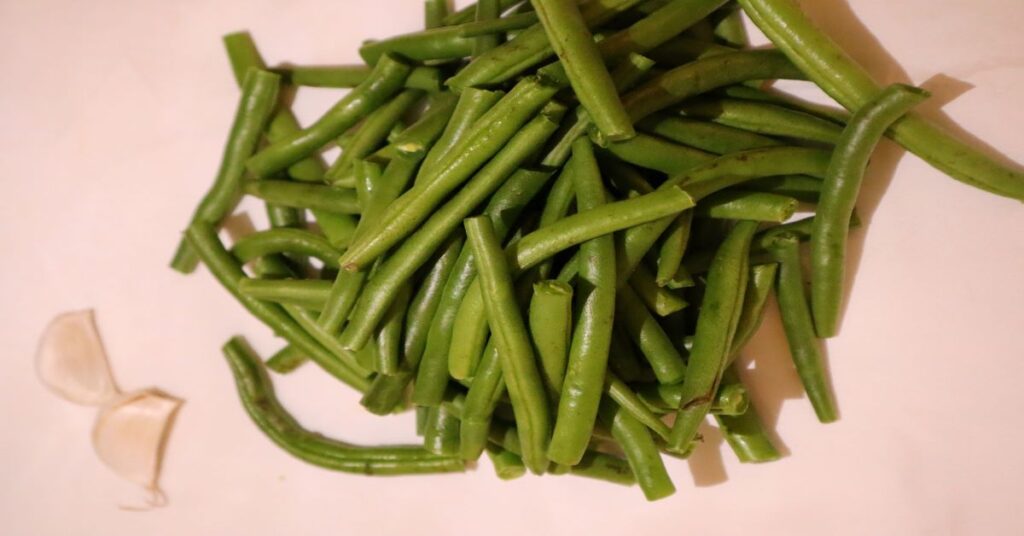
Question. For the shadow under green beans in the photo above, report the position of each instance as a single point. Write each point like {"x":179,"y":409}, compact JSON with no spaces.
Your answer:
{"x":707,"y":464}
{"x":839,"y":22}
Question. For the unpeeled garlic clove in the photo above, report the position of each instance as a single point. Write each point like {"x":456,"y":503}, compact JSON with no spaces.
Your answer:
{"x":130,"y":434}
{"x":71,"y":360}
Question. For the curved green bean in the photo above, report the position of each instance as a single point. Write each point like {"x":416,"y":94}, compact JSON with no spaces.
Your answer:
{"x":839,"y":196}
{"x":655,"y":153}
{"x":285,"y":240}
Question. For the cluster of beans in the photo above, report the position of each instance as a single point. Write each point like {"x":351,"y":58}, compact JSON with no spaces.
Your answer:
{"x":552,"y":228}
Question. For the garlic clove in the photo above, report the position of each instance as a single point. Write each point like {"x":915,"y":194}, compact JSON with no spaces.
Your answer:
{"x":130,"y":434}
{"x":71,"y":360}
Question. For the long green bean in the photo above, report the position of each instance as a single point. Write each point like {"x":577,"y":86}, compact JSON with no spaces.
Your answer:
{"x":472,"y":104}
{"x":763,"y":118}
{"x":443,"y":43}
{"x":710,"y":137}
{"x":285,"y":240}
{"x":286,"y":360}
{"x":306,"y":293}
{"x":640,"y":450}
{"x":649,"y":337}
{"x":302,"y":195}
{"x":741,"y":205}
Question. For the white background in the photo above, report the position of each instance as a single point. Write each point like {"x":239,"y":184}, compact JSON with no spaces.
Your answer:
{"x":114,"y":113}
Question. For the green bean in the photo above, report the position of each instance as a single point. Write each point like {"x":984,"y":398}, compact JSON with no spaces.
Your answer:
{"x":799,"y":327}
{"x":259,"y":97}
{"x":640,"y":450}
{"x":373,"y":131}
{"x":573,"y":230}
{"x":485,"y":391}
{"x":839,"y":195}
{"x":802,"y":187}
{"x":434,"y":13}
{"x":486,"y":10}
{"x":551,"y":329}
{"x":704,"y":75}
{"x":716,"y":328}
{"x":389,"y":334}
{"x":560,"y":199}
{"x":257,"y":394}
{"x":824,"y":111}
{"x":472,"y":104}
{"x":731,"y":398}
{"x":655,"y":153}
{"x":686,"y":48}
{"x":386,"y":79}
{"x":741,"y":205}
{"x":489,"y":134}
{"x":285,"y":240}
{"x":424,"y":304}
{"x":673,"y":248}
{"x":443,"y":43}
{"x":591,"y":340}
{"x":286,"y":360}
{"x":763,"y":118}
{"x":746,"y":436}
{"x":422,"y":135}
{"x":849,"y":84}
{"x":441,"y":433}
{"x":759,"y":286}
{"x":228,"y":272}
{"x":572,"y":42}
{"x":507,"y":465}
{"x":710,"y":137}
{"x":528,"y":48}
{"x":306,"y":293}
{"x":622,"y":359}
{"x":649,"y":337}
{"x":523,"y":380}
{"x":417,"y":249}
{"x":519,"y":21}
{"x":617,"y":390}
{"x":660,"y":300}
{"x":729,"y":27}
{"x":307,"y":320}
{"x":346,"y":76}
{"x":601,"y":466}
{"x":304,"y":195}
{"x":504,"y":209}
{"x":468,"y":13}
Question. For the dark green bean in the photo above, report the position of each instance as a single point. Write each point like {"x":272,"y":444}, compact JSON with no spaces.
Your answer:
{"x":259,"y":401}
{"x":313,"y":196}
{"x":472,"y":104}
{"x":649,"y":337}
{"x":523,"y":380}
{"x":799,"y":327}
{"x":623,"y":360}
{"x":285,"y":240}
{"x":228,"y":272}
{"x":417,"y":249}
{"x":306,"y":293}
{"x":257,"y":102}
{"x":763,"y":118}
{"x":655,"y":153}
{"x":640,"y":450}
{"x":387,"y":78}
{"x":286,"y":360}
{"x":716,"y":328}
{"x":489,"y":134}
{"x":839,"y":195}
{"x":572,"y":42}
{"x":551,"y":329}
{"x":711,"y":137}
{"x":849,"y":84}
{"x":704,"y":75}
{"x":673,"y":248}
{"x":741,"y":205}
{"x":591,"y":340}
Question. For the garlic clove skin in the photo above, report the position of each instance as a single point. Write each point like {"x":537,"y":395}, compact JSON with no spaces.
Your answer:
{"x":71,"y":360}
{"x":130,"y":434}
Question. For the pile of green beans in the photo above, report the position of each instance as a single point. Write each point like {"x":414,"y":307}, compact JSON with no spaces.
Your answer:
{"x":552,"y":229}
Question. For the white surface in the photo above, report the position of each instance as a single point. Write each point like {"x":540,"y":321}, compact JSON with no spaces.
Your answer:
{"x":114,"y":115}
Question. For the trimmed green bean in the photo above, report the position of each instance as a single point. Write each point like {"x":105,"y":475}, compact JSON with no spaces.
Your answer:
{"x":417,"y":249}
{"x":660,"y":300}
{"x":389,"y":334}
{"x":654,"y":344}
{"x":641,"y":451}
{"x":799,"y":327}
{"x":741,"y":205}
{"x":346,"y":76}
{"x":551,"y":329}
{"x":802,"y":187}
{"x":434,"y":13}
{"x":387,"y":79}
{"x":716,"y":328}
{"x":731,"y":398}
{"x":421,"y":136}
{"x":487,"y":388}
{"x":306,"y":293}
{"x":488,"y":135}
{"x":443,"y":43}
{"x":839,"y":196}
{"x":673,"y":248}
{"x":486,"y":10}
{"x":617,"y":390}
{"x":824,"y":111}
{"x":706,"y":74}
{"x":286,"y":360}
{"x":523,"y":380}
{"x":285,"y":240}
{"x":373,"y":132}
{"x":849,"y":84}
{"x":655,"y":153}
{"x":257,"y":102}
{"x":763,"y":118}
{"x":258,"y":398}
{"x":746,"y":435}
{"x":729,"y":27}
{"x":424,"y":304}
{"x":710,"y":137}
{"x":591,"y":339}
{"x":572,"y":42}
{"x":507,"y":465}
{"x":228,"y":272}
{"x":473,"y":104}
{"x":303,"y":195}
{"x":441,"y":433}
